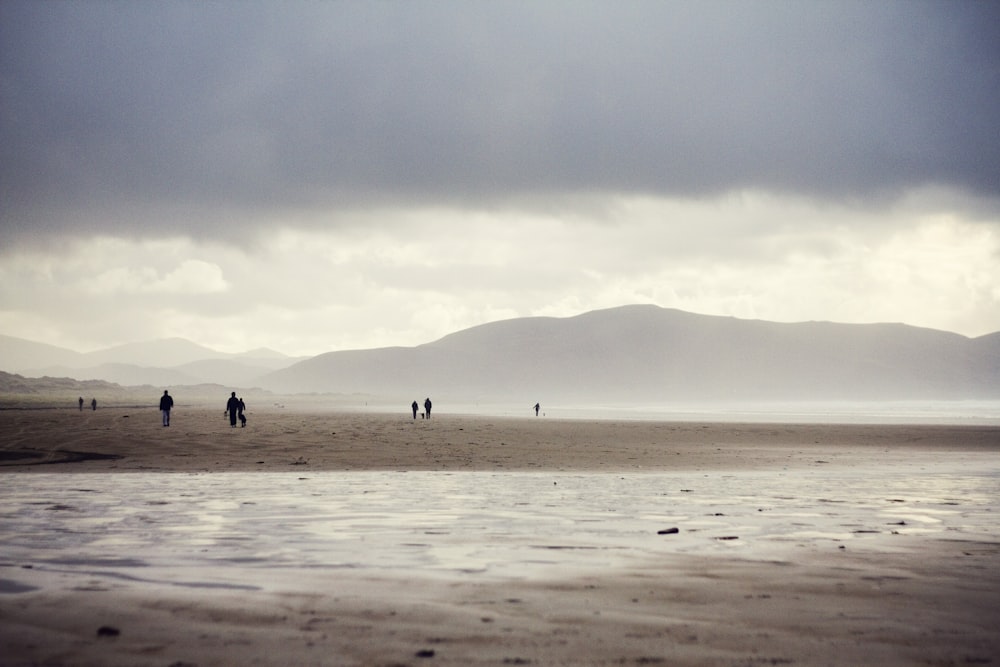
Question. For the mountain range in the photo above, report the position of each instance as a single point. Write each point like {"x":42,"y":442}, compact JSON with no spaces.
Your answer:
{"x":165,"y":362}
{"x":632,"y":354}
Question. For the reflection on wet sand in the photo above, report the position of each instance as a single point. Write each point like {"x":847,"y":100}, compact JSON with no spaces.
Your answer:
{"x":490,"y":523}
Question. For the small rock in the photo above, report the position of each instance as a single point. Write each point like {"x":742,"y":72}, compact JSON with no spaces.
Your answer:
{"x":108,"y":631}
{"x":668,"y":531}
{"x":425,"y":653}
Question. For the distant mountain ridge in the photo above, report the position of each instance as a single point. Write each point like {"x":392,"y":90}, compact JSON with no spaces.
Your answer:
{"x":163,"y":362}
{"x":649,"y":354}
{"x":639,"y":354}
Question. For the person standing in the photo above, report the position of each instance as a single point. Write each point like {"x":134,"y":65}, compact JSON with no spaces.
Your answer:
{"x":232,"y":408}
{"x":81,"y":404}
{"x":243,"y":419}
{"x":93,"y":404}
{"x":537,"y":408}
{"x":415,"y":407}
{"x":166,"y":402}
{"x":427,"y":407}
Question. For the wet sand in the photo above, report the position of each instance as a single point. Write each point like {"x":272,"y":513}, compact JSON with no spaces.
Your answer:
{"x":373,"y":539}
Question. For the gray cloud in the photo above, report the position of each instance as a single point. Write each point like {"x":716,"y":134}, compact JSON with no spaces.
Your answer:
{"x":177,"y":117}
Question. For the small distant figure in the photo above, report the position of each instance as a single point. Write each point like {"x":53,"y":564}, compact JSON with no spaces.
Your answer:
{"x":232,"y":408}
{"x":427,"y":407}
{"x":81,"y":404}
{"x":243,"y":418}
{"x":166,"y":402}
{"x":93,"y":404}
{"x":415,"y":408}
{"x":537,"y":408}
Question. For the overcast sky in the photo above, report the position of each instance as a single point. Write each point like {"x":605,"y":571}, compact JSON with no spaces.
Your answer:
{"x":311,"y":176}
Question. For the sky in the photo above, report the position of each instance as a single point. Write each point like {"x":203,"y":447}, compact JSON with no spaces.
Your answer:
{"x":315,"y":176}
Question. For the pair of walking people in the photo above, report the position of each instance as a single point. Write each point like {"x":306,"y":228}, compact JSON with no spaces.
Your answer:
{"x":234,"y":408}
{"x":427,"y":408}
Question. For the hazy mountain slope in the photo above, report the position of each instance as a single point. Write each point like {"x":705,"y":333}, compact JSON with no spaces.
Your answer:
{"x":165,"y":362}
{"x":648,"y":354}
{"x":17,"y":355}
{"x":266,"y":355}
{"x":128,"y":375}
{"x":162,"y":353}
{"x":632,"y":354}
{"x":229,"y":371}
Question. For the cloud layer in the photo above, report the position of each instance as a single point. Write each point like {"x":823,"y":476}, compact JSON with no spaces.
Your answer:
{"x":192,"y":117}
{"x":307,"y":292}
{"x":318,"y":175}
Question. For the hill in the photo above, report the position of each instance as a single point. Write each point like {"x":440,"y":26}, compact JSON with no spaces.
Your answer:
{"x":18,"y":355}
{"x":648,"y":354}
{"x":632,"y":355}
{"x":164,"y":362}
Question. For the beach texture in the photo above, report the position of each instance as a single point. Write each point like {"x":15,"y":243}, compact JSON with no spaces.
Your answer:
{"x":312,"y":538}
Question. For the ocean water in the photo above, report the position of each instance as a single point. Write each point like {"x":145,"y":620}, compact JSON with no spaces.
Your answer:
{"x":974,"y":413}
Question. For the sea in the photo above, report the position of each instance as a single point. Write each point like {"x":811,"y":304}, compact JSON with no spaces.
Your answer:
{"x":971,"y":412}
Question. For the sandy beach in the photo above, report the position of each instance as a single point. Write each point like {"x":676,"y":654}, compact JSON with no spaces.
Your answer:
{"x":340,"y":538}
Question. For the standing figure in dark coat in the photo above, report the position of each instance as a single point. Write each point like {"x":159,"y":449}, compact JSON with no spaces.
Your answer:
{"x":232,"y":408}
{"x":415,"y":408}
{"x":427,"y":407}
{"x":166,"y":402}
{"x":81,"y":404}
{"x":93,"y":404}
{"x":537,"y":408}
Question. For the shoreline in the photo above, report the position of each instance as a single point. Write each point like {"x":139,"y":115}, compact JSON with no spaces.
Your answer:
{"x":970,"y":412}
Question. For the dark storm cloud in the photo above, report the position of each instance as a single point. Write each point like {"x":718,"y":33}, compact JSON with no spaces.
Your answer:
{"x":124,"y":116}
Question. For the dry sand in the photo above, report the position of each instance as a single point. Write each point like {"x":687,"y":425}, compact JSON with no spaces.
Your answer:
{"x":375,"y":539}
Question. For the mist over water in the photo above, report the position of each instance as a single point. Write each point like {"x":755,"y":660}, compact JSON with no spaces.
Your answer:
{"x":973,"y":413}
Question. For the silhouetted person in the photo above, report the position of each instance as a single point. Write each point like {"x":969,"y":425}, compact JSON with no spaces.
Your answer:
{"x":166,"y":402}
{"x":415,"y":408}
{"x":243,"y":419}
{"x":81,"y":404}
{"x":537,"y":408}
{"x":93,"y":404}
{"x":427,"y":407}
{"x":232,"y":408}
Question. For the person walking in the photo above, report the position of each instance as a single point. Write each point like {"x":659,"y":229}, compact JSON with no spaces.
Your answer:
{"x":93,"y":404}
{"x":243,"y":419}
{"x":166,"y":402}
{"x":232,"y":408}
{"x":537,"y":408}
{"x":427,"y":407}
{"x":81,"y":404}
{"x":415,"y":407}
